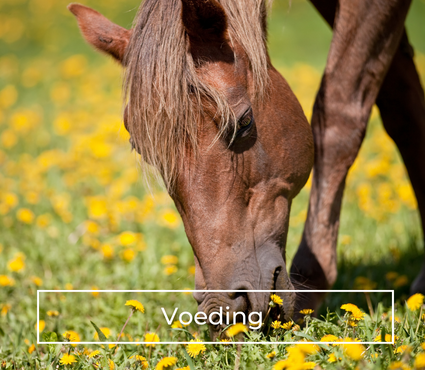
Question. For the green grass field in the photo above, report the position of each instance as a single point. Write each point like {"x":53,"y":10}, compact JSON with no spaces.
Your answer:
{"x":75,"y":214}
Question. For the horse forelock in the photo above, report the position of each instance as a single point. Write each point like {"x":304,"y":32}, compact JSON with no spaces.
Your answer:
{"x":163,"y":93}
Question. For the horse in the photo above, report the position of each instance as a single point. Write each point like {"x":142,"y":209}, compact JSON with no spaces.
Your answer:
{"x":205,"y":106}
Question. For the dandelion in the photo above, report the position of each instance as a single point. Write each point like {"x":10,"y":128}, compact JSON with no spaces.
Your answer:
{"x":128,"y":255}
{"x":355,"y":313}
{"x":169,"y":270}
{"x":276,"y":324}
{"x":354,"y":351}
{"x":151,"y":337}
{"x":329,"y":338}
{"x":420,"y":361}
{"x":107,"y":251}
{"x":191,"y":270}
{"x":36,"y":280}
{"x":286,"y":325}
{"x":6,"y":280}
{"x":402,"y":349}
{"x":143,"y":362}
{"x":236,"y":329}
{"x":226,"y":341}
{"x":52,"y":313}
{"x":31,"y":349}
{"x":169,"y":260}
{"x":17,"y":264}
{"x":332,"y":358}
{"x":280,"y":365}
{"x":271,"y":355}
{"x":388,"y":338}
{"x":72,"y":336}
{"x":170,"y":219}
{"x":135,"y":305}
{"x":25,"y":215}
{"x":127,"y":238}
{"x":4,"y":308}
{"x":415,"y":302}
{"x":184,"y":368}
{"x":106,"y":332}
{"x":41,"y":325}
{"x":176,"y":325}
{"x":275,"y":300}
{"x":111,"y":364}
{"x":401,"y":281}
{"x":166,"y":363}
{"x":94,"y":354}
{"x":306,"y":311}
{"x":195,"y":347}
{"x":67,"y":359}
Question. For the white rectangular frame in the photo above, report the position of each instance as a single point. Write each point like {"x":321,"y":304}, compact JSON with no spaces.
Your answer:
{"x":215,"y":291}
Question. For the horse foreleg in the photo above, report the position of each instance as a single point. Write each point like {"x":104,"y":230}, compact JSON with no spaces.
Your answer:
{"x":366,"y":37}
{"x":402,"y":106}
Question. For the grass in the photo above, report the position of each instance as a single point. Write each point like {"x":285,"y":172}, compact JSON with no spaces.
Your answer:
{"x":74,"y":213}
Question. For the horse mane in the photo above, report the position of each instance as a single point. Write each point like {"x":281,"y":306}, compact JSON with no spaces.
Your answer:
{"x":162,"y":90}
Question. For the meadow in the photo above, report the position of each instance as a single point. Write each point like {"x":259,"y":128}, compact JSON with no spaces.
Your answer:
{"x":75,"y":213}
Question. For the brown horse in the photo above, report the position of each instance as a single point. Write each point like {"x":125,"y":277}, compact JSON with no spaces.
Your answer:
{"x":208,"y":110}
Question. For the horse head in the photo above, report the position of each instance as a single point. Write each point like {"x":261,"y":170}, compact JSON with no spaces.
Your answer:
{"x":206,"y":107}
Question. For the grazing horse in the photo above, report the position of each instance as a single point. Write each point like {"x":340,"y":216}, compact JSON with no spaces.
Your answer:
{"x":207,"y":109}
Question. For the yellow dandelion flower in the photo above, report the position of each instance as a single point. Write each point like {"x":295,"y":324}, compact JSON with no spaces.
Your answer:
{"x":72,"y":336}
{"x":142,"y":360}
{"x":415,"y":302}
{"x":308,"y":348}
{"x":401,"y":281}
{"x":280,"y":365}
{"x":170,"y":218}
{"x":271,"y":355}
{"x":191,"y":270}
{"x":423,"y":346}
{"x":107,"y":251}
{"x":355,"y":351}
{"x":25,"y":215}
{"x":169,"y":270}
{"x":31,"y":349}
{"x":67,"y":359}
{"x":6,"y":280}
{"x":106,"y":332}
{"x":306,"y":311}
{"x":419,"y":361}
{"x":287,"y":325}
{"x":151,"y":337}
{"x":276,"y":324}
{"x":128,"y":238}
{"x":388,"y":338}
{"x":275,"y":300}
{"x":392,"y":275}
{"x":176,"y":325}
{"x":355,"y":312}
{"x":166,"y":363}
{"x":36,"y":280}
{"x":195,"y":347}
{"x":184,"y":368}
{"x":309,"y":365}
{"x":128,"y":255}
{"x":111,"y":364}
{"x":135,"y":305}
{"x":17,"y":264}
{"x":69,"y":286}
{"x":4,"y":308}
{"x":329,"y":338}
{"x":402,"y":349}
{"x":236,"y":329}
{"x":41,"y":325}
{"x":226,"y":341}
{"x":52,"y":313}
{"x":94,"y":353}
{"x":332,"y":358}
{"x":169,"y":260}
{"x":363,"y":283}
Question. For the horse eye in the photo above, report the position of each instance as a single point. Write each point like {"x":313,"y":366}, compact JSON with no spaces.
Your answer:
{"x":245,"y":122}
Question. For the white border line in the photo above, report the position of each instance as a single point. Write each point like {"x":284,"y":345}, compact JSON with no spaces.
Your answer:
{"x":216,"y":291}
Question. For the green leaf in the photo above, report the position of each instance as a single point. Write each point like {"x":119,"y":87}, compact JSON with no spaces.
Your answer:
{"x":49,"y":336}
{"x":102,"y":337}
{"x":189,"y":360}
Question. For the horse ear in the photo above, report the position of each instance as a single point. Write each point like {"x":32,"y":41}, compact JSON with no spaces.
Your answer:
{"x":204,"y":20}
{"x":101,"y":32}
